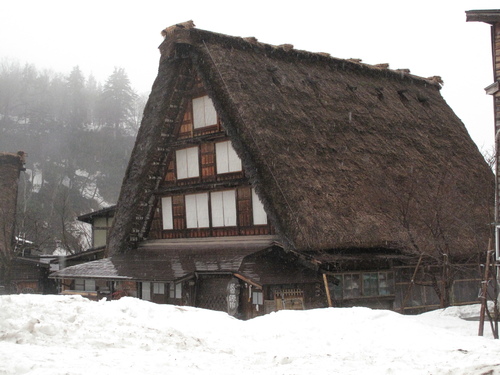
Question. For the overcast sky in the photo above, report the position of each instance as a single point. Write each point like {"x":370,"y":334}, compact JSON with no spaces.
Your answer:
{"x":429,"y":37}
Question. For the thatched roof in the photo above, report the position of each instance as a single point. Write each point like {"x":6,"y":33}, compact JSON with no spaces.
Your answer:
{"x":342,"y":154}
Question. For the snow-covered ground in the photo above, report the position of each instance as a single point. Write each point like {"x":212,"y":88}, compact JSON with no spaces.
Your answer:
{"x":71,"y":335}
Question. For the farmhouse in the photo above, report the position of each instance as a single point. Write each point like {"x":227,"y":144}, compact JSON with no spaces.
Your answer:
{"x":265,"y":177}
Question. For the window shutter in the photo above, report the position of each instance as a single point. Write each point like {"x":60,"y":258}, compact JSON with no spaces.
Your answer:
{"x":191,"y":215}
{"x":223,"y":208}
{"x":217,"y":209}
{"x":210,"y":113}
{"x":259,"y":214}
{"x":202,"y":210}
{"x":197,"y":211}
{"x":193,"y":168}
{"x":234,"y":159}
{"x":187,"y":163}
{"x":166,"y":211}
{"x":181,"y":164}
{"x":227,"y":159}
{"x":204,"y":113}
{"x":222,"y":157}
{"x":229,"y":198}
{"x":198,"y":113}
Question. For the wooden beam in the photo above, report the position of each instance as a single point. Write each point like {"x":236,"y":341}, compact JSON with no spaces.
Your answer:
{"x":484,"y":288}
{"x":247,"y":280}
{"x":325,"y":280}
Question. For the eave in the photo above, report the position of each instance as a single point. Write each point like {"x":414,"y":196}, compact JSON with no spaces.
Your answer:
{"x":490,"y":16}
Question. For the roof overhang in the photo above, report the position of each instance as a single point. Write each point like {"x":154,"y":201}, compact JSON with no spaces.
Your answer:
{"x":172,"y":260}
{"x":105,"y":212}
{"x":490,"y":16}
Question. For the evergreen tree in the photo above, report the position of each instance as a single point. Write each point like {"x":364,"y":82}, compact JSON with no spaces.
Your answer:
{"x":77,"y":100}
{"x":78,"y":136}
{"x":116,"y":105}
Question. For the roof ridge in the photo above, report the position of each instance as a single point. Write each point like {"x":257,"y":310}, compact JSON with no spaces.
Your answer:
{"x":186,"y":30}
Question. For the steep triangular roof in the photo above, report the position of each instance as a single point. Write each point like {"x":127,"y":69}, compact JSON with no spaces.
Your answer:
{"x":342,"y":154}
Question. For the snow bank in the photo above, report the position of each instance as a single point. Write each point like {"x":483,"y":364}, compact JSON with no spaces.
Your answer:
{"x":72,"y":335}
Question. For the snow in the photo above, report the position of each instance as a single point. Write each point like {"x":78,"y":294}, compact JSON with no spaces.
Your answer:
{"x":73,"y":335}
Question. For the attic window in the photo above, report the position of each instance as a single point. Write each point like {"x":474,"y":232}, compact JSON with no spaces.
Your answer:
{"x":226,"y":158}
{"x":259,"y":214}
{"x":223,"y":205}
{"x":197,"y":211}
{"x":187,"y":163}
{"x":204,"y":113}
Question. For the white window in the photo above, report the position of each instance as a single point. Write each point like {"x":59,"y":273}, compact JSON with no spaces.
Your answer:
{"x":259,"y":214}
{"x":158,"y":288}
{"x":146,"y":290}
{"x":204,"y":113}
{"x":226,"y":158}
{"x":166,"y":213}
{"x":175,"y":290}
{"x":223,"y":208}
{"x":197,"y":211}
{"x":187,"y":163}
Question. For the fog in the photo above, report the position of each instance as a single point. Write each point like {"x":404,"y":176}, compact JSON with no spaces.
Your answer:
{"x":428,"y":37}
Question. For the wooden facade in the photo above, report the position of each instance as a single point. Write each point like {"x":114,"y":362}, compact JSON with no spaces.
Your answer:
{"x":204,"y":142}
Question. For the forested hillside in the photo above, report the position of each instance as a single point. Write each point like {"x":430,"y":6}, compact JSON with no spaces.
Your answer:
{"x":78,"y":134}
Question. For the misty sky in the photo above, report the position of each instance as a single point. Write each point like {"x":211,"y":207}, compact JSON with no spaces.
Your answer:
{"x":429,"y":37}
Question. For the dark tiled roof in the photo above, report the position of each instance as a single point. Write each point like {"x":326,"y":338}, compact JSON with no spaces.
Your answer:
{"x":98,"y":269}
{"x":105,"y":212}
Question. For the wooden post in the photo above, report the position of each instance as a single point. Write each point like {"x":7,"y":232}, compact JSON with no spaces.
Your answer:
{"x":328,"y":297}
{"x":484,"y":290}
